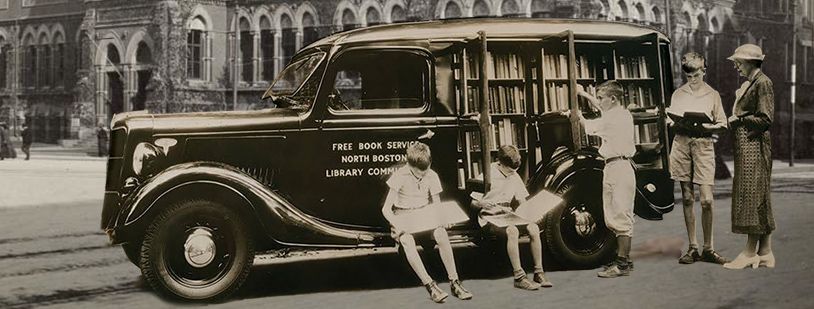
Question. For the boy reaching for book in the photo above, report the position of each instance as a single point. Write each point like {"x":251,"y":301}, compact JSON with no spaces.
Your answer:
{"x":411,"y":187}
{"x":507,"y":188}
{"x":615,"y":128}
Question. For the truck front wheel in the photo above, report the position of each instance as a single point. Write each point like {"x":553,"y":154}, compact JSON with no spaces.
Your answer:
{"x":197,"y":250}
{"x":575,"y":231}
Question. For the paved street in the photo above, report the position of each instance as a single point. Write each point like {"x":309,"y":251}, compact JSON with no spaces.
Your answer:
{"x":52,"y":254}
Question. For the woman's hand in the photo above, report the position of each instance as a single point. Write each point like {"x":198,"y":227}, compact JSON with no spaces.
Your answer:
{"x":734,"y":119}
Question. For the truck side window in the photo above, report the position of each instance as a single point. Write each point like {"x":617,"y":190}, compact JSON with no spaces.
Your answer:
{"x":380,"y":80}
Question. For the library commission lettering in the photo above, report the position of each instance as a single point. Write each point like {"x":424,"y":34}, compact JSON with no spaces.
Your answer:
{"x":348,"y":155}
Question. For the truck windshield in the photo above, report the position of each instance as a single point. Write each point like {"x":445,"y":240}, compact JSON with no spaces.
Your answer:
{"x":294,"y":76}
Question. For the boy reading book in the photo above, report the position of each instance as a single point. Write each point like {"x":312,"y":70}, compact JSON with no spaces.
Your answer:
{"x":410,"y":190}
{"x":508,"y":188}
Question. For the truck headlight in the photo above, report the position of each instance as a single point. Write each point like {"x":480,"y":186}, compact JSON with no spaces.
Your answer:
{"x":143,"y":156}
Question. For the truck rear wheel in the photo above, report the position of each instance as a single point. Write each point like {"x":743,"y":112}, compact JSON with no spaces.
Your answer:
{"x":197,"y":250}
{"x":575,"y":231}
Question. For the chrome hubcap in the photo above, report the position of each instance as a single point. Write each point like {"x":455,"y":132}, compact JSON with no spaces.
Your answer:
{"x":199,"y":248}
{"x":585,"y":224}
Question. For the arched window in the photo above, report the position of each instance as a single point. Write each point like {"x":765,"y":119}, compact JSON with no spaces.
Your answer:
{"x":606,"y":10}
{"x":372,"y":17}
{"x":509,"y":8}
{"x":542,"y":8}
{"x":452,"y":10}
{"x":623,"y":10}
{"x":266,"y":49}
{"x":657,"y":15}
{"x":714,"y":27}
{"x":642,"y":15}
{"x":4,"y":50}
{"x":44,"y":59}
{"x":309,"y":29}
{"x":59,"y":60}
{"x":29,"y":68}
{"x":348,"y":20}
{"x":195,"y":51}
{"x":289,"y":43}
{"x":480,"y":9}
{"x":397,"y":14}
{"x":246,"y":50}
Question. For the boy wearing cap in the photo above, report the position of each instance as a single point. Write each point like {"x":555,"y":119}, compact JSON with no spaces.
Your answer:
{"x":692,"y":157}
{"x":615,"y":128}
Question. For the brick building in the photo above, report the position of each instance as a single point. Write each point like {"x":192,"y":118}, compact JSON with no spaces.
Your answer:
{"x":67,"y":65}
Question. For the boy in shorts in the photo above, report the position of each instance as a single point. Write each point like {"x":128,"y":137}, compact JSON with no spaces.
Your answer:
{"x":411,"y":187}
{"x":507,"y":188}
{"x":692,"y":157}
{"x":615,"y":128}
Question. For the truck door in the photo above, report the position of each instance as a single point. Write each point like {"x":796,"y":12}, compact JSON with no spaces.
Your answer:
{"x":378,"y":103}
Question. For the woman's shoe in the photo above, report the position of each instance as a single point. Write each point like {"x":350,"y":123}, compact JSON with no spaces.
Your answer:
{"x":767,"y":260}
{"x":743,"y":261}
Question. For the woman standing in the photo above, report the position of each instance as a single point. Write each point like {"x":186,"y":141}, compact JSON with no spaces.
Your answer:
{"x":750,"y":121}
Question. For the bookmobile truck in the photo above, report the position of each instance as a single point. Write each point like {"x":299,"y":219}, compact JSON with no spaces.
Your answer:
{"x":192,"y":197}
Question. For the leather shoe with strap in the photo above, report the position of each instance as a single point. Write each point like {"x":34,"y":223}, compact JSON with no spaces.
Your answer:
{"x":690,"y":257}
{"x":710,"y":256}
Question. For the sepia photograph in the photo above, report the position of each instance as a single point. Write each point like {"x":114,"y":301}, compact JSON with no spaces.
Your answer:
{"x":406,"y":153}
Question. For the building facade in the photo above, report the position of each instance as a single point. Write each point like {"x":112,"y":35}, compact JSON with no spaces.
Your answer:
{"x":67,"y":66}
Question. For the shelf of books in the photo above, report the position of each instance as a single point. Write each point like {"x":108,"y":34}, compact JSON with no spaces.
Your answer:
{"x":510,"y":89}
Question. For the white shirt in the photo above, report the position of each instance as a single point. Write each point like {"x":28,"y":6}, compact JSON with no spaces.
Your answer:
{"x":615,"y":128}
{"x":705,"y":100}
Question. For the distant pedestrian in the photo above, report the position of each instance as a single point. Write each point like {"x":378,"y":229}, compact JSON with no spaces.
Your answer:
{"x":6,"y":147}
{"x":102,"y":134}
{"x":26,"y":135}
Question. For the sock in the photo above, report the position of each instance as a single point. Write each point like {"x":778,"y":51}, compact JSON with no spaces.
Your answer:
{"x":519,"y":274}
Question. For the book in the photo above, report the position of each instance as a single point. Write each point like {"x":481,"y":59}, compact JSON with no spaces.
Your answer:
{"x":689,"y":116}
{"x":536,"y":207}
{"x":429,"y":217}
{"x":531,"y":211}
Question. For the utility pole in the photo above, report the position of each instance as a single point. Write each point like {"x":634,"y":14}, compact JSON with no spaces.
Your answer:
{"x":793,"y":95}
{"x":667,"y":13}
{"x":235,"y":66}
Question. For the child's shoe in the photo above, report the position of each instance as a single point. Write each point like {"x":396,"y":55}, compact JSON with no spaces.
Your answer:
{"x":526,"y":284}
{"x":458,"y":290}
{"x":436,"y":294}
{"x":541,"y":279}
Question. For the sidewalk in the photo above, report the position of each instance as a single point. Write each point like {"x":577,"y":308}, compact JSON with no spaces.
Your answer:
{"x":55,"y":152}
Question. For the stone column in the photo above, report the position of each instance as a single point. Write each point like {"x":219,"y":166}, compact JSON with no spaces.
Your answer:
{"x":130,"y":87}
{"x":278,"y":50}
{"x":256,"y":59}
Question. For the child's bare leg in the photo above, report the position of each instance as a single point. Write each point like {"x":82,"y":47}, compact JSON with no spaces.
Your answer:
{"x":536,"y":247}
{"x":445,"y":249}
{"x":408,"y":244}
{"x":512,"y":248}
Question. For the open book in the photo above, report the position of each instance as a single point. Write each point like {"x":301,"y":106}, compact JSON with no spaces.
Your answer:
{"x":689,"y":117}
{"x":530,"y":211}
{"x":429,"y":217}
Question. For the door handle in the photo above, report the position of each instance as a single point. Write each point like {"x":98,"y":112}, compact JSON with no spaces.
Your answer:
{"x":427,"y":135}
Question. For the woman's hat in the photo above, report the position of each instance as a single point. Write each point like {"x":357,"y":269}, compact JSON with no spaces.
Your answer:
{"x":748,"y":52}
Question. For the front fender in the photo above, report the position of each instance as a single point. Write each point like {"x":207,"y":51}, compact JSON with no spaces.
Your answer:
{"x":277,"y":217}
{"x":654,"y":188}
{"x":563,"y":165}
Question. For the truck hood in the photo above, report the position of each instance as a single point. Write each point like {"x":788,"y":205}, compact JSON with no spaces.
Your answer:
{"x":203,"y":122}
